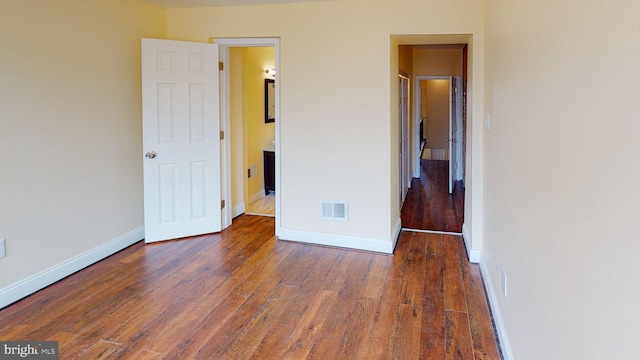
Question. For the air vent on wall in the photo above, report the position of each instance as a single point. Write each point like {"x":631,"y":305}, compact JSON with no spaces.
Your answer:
{"x":336,"y":210}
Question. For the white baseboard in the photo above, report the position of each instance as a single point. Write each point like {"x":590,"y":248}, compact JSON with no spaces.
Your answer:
{"x":57,"y":272}
{"x":474,"y":254}
{"x":505,"y":346}
{"x":238,"y":210}
{"x":396,"y":234}
{"x":257,"y":196}
{"x":344,"y":241}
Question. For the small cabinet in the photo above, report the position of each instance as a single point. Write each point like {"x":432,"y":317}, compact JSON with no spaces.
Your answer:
{"x":269,"y":171}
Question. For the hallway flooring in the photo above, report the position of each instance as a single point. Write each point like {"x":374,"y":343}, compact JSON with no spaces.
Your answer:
{"x":265,"y":206}
{"x":428,"y":205}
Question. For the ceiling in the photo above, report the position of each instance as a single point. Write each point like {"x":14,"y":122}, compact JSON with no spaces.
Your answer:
{"x":208,"y":3}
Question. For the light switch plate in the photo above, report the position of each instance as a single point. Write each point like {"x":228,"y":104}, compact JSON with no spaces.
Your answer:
{"x":2,"y":251}
{"x":253,"y":171}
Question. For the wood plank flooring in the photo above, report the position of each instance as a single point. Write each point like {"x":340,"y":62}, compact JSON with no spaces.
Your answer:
{"x":266,"y":205}
{"x":428,"y":205}
{"x":242,"y":294}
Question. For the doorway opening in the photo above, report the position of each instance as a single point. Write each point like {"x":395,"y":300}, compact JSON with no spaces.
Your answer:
{"x":439,"y":110}
{"x":250,"y":119}
{"x":435,"y":201}
{"x":252,"y":134}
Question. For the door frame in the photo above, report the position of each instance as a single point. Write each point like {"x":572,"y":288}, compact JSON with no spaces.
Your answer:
{"x":416,"y":123}
{"x":459,"y":155}
{"x":405,"y":134}
{"x":225,"y":120}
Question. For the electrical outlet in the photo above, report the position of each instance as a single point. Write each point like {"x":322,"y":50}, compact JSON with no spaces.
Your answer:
{"x":487,"y":121}
{"x":3,"y":253}
{"x":504,"y":283}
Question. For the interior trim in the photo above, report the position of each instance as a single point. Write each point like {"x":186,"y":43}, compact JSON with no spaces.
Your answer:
{"x":475,"y":255}
{"x":337,"y":240}
{"x":503,"y":343}
{"x":58,"y":272}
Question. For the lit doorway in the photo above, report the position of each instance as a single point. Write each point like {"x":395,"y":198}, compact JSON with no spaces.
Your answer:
{"x":248,"y":64}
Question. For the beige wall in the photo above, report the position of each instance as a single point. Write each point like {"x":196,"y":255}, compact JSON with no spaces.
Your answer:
{"x":436,"y":110}
{"x":70,"y":127}
{"x":405,"y":59}
{"x":336,"y":138}
{"x":440,"y":61}
{"x":561,"y":174}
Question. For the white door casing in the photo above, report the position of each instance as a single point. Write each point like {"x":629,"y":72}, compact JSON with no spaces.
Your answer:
{"x":453,"y":130}
{"x":181,"y":139}
{"x":459,"y":129}
{"x":405,"y":176}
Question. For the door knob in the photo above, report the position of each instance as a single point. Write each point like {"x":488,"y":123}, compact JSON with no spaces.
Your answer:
{"x":150,"y":154}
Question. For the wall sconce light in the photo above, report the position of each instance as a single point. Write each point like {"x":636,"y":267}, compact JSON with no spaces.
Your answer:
{"x":271,"y":72}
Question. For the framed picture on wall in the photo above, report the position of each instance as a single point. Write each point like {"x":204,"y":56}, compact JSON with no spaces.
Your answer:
{"x":269,"y":100}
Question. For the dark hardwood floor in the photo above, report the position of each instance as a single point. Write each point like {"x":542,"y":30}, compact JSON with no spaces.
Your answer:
{"x":428,"y":205}
{"x":242,"y":294}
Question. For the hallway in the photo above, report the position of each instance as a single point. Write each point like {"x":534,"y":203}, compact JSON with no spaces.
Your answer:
{"x":428,"y":205}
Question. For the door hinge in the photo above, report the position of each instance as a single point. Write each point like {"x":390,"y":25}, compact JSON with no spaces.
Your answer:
{"x":220,"y":65}
{"x":221,"y":135}
{"x":222,"y":204}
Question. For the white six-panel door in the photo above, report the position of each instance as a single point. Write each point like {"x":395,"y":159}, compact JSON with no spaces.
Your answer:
{"x":181,"y":139}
